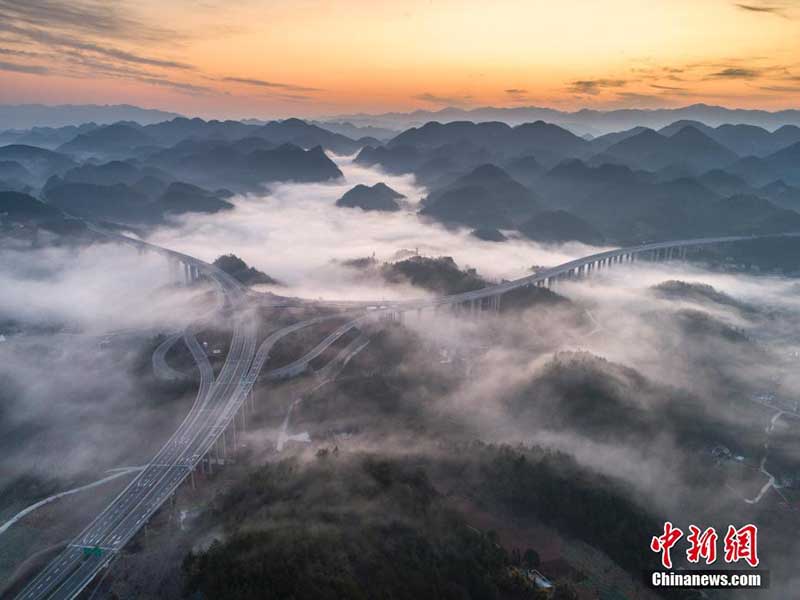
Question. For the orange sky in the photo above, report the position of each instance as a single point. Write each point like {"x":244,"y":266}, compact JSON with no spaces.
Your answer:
{"x":314,"y":57}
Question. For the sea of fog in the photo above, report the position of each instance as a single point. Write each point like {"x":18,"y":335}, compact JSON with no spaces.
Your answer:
{"x":295,"y":233}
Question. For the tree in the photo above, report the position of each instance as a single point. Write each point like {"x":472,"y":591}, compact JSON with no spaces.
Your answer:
{"x":565,"y":591}
{"x":531,"y":558}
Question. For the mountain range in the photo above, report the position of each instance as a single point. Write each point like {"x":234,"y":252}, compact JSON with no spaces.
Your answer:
{"x":26,"y":116}
{"x":585,"y":121}
{"x":537,"y":179}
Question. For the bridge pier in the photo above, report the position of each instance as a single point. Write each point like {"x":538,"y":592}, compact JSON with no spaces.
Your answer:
{"x":235,"y":441}
{"x":173,"y":270}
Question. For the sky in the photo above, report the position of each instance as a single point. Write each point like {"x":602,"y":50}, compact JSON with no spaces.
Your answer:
{"x":267,"y":58}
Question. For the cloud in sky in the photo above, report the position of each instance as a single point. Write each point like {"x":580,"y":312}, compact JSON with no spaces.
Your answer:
{"x":20,"y":53}
{"x":765,"y":8}
{"x":737,"y":73}
{"x":17,"y":68}
{"x":592,"y":87}
{"x":88,"y":38}
{"x":57,"y":41}
{"x":270,"y":84}
{"x":85,"y":17}
{"x":177,"y":85}
{"x":788,"y":89}
{"x":445,"y":100}
{"x":669,"y":88}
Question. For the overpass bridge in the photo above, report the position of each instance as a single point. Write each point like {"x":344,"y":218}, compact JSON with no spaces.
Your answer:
{"x":573,"y":270}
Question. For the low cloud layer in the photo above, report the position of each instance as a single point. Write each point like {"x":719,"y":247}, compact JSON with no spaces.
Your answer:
{"x":295,"y":231}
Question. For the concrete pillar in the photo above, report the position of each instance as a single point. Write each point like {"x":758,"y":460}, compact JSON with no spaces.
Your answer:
{"x":186,"y":276}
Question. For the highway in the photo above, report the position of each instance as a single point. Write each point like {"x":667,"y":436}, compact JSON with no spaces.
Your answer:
{"x":215,"y":407}
{"x":161,"y":369}
{"x":74,"y":568}
{"x":218,"y":402}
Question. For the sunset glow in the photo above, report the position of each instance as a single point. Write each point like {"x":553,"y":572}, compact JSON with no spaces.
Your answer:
{"x":315,"y":57}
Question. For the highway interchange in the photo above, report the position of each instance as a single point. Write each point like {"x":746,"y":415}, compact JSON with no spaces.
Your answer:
{"x":219,"y":400}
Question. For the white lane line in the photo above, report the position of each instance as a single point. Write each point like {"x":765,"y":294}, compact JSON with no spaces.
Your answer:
{"x":25,"y":511}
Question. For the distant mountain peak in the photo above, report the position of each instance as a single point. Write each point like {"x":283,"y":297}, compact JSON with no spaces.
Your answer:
{"x":379,"y":197}
{"x":489,"y":171}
